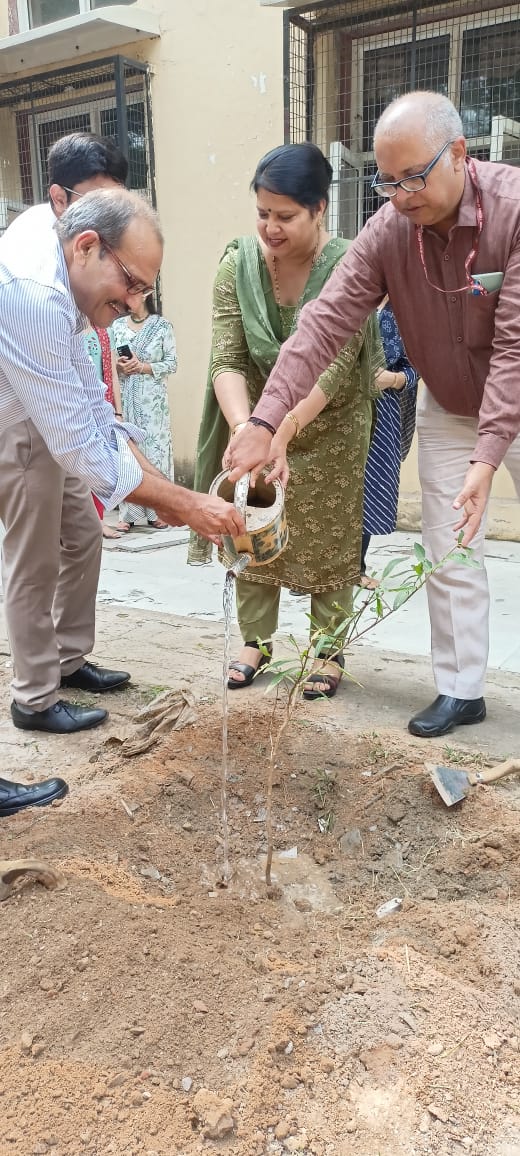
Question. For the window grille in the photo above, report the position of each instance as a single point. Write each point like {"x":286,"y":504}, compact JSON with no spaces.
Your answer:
{"x":346,"y":60}
{"x":110,"y":97}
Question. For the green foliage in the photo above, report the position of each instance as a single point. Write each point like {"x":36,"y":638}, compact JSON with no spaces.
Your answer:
{"x":400,"y":580}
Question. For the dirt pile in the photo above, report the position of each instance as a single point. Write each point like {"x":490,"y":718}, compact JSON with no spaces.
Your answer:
{"x":147,"y":1011}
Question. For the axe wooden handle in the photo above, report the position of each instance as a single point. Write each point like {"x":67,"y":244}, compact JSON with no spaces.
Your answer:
{"x":493,"y":774}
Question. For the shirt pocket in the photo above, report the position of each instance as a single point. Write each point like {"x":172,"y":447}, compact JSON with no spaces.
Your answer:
{"x":480,"y":319}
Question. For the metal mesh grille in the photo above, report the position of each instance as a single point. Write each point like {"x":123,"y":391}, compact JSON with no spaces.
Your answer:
{"x":346,"y":61}
{"x":110,"y":97}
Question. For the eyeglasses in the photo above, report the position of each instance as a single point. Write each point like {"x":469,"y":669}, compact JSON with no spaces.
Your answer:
{"x":413,"y":184}
{"x":132,"y":285}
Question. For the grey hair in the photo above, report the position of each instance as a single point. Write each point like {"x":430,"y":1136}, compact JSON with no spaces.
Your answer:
{"x":108,"y":212}
{"x":438,"y":117}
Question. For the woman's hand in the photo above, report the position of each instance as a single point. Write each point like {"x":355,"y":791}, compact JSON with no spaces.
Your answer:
{"x":387,"y":379}
{"x":226,"y":459}
{"x":128,"y":365}
{"x":278,"y":464}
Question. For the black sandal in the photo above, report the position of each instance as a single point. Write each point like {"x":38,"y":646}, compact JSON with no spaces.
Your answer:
{"x":248,"y":671}
{"x":330,"y":680}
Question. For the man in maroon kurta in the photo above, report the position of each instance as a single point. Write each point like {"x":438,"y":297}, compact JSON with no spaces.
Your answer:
{"x":449,"y":258}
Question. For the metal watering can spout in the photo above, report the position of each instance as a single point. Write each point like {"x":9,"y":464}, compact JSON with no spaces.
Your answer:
{"x":242,"y":562}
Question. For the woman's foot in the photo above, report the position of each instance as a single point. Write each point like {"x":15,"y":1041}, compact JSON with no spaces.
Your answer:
{"x":109,"y":532}
{"x":367,"y":583}
{"x":249,"y":662}
{"x":157,"y":524}
{"x":325,"y":677}
{"x":124,"y":527}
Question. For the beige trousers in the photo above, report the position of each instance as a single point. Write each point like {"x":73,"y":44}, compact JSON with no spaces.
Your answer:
{"x":51,"y":556}
{"x":458,"y":596}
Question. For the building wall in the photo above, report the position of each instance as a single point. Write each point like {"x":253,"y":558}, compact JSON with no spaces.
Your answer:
{"x":217,"y":94}
{"x":217,"y":102}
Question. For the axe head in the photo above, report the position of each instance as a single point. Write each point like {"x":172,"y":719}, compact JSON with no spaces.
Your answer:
{"x":452,"y":785}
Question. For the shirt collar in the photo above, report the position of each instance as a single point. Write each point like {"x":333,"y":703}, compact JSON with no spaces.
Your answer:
{"x":63,"y":272}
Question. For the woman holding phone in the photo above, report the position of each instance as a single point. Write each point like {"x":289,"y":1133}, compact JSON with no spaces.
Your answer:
{"x":146,"y":355}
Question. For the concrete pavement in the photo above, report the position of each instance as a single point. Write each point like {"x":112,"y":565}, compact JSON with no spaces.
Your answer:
{"x":148,"y":569}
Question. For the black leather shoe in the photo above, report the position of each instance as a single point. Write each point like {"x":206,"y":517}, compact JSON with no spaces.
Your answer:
{"x":92,"y":677}
{"x":15,"y":796}
{"x":61,"y":719}
{"x":445,"y":714}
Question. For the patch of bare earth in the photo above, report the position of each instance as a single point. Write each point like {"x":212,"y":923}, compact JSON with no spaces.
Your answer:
{"x":144,"y":1010}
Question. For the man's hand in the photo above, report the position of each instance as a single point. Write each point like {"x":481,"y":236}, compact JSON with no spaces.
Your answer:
{"x":205,"y":514}
{"x":248,"y":450}
{"x":473,"y":499}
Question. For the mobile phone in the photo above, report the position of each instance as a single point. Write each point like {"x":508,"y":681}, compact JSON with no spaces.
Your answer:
{"x":489,"y":281}
{"x":124,"y":351}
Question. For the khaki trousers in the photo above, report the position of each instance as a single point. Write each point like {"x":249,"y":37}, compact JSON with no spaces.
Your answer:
{"x":458,"y":596}
{"x":258,"y":605}
{"x":51,"y":556}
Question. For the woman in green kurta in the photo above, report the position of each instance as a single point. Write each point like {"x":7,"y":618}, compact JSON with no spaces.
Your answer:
{"x":261,"y":285}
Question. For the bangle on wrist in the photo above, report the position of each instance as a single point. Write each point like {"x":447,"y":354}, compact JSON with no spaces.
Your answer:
{"x":290,"y":416}
{"x":117,"y":413}
{"x":239,"y":425}
{"x":260,"y":421}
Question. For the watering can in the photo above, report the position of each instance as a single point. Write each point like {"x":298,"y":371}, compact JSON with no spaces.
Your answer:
{"x":262,"y":508}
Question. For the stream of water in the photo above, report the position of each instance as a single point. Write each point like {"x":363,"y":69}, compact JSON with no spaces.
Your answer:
{"x":227,"y":602}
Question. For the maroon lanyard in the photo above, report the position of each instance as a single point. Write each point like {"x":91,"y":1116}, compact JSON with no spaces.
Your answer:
{"x":471,"y":284}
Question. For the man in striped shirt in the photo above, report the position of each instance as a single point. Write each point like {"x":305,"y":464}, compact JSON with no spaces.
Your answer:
{"x":77,"y":163}
{"x":59,"y":440}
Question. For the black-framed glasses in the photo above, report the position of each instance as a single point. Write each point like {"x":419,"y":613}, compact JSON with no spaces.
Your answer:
{"x":132,"y":285}
{"x":413,"y":184}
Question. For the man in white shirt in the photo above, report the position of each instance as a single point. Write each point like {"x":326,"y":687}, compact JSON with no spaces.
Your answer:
{"x":59,"y":439}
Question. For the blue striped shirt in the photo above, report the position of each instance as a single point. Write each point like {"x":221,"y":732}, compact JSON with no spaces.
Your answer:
{"x":45,"y":374}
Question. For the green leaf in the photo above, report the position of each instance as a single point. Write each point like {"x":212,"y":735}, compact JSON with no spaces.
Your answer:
{"x":419,"y":551}
{"x":390,"y":567}
{"x":401,"y":597}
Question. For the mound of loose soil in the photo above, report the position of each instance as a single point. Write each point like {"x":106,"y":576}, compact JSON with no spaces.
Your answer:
{"x":146,"y":1010}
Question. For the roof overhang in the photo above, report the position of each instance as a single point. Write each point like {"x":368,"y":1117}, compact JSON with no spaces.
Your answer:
{"x":63,"y":41}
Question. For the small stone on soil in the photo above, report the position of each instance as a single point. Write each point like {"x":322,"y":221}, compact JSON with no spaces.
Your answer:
{"x":396,"y":812}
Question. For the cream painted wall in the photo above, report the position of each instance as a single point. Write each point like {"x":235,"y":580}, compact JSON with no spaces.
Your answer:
{"x":217,"y":93}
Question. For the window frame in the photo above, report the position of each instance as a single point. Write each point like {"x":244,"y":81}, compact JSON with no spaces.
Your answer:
{"x":455,"y":29}
{"x":85,"y":6}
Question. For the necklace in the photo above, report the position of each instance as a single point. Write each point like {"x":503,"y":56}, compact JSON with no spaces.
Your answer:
{"x":138,"y":320}
{"x":276,"y":283}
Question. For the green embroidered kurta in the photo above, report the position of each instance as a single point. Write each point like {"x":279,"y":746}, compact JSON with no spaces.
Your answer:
{"x":324,"y":497}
